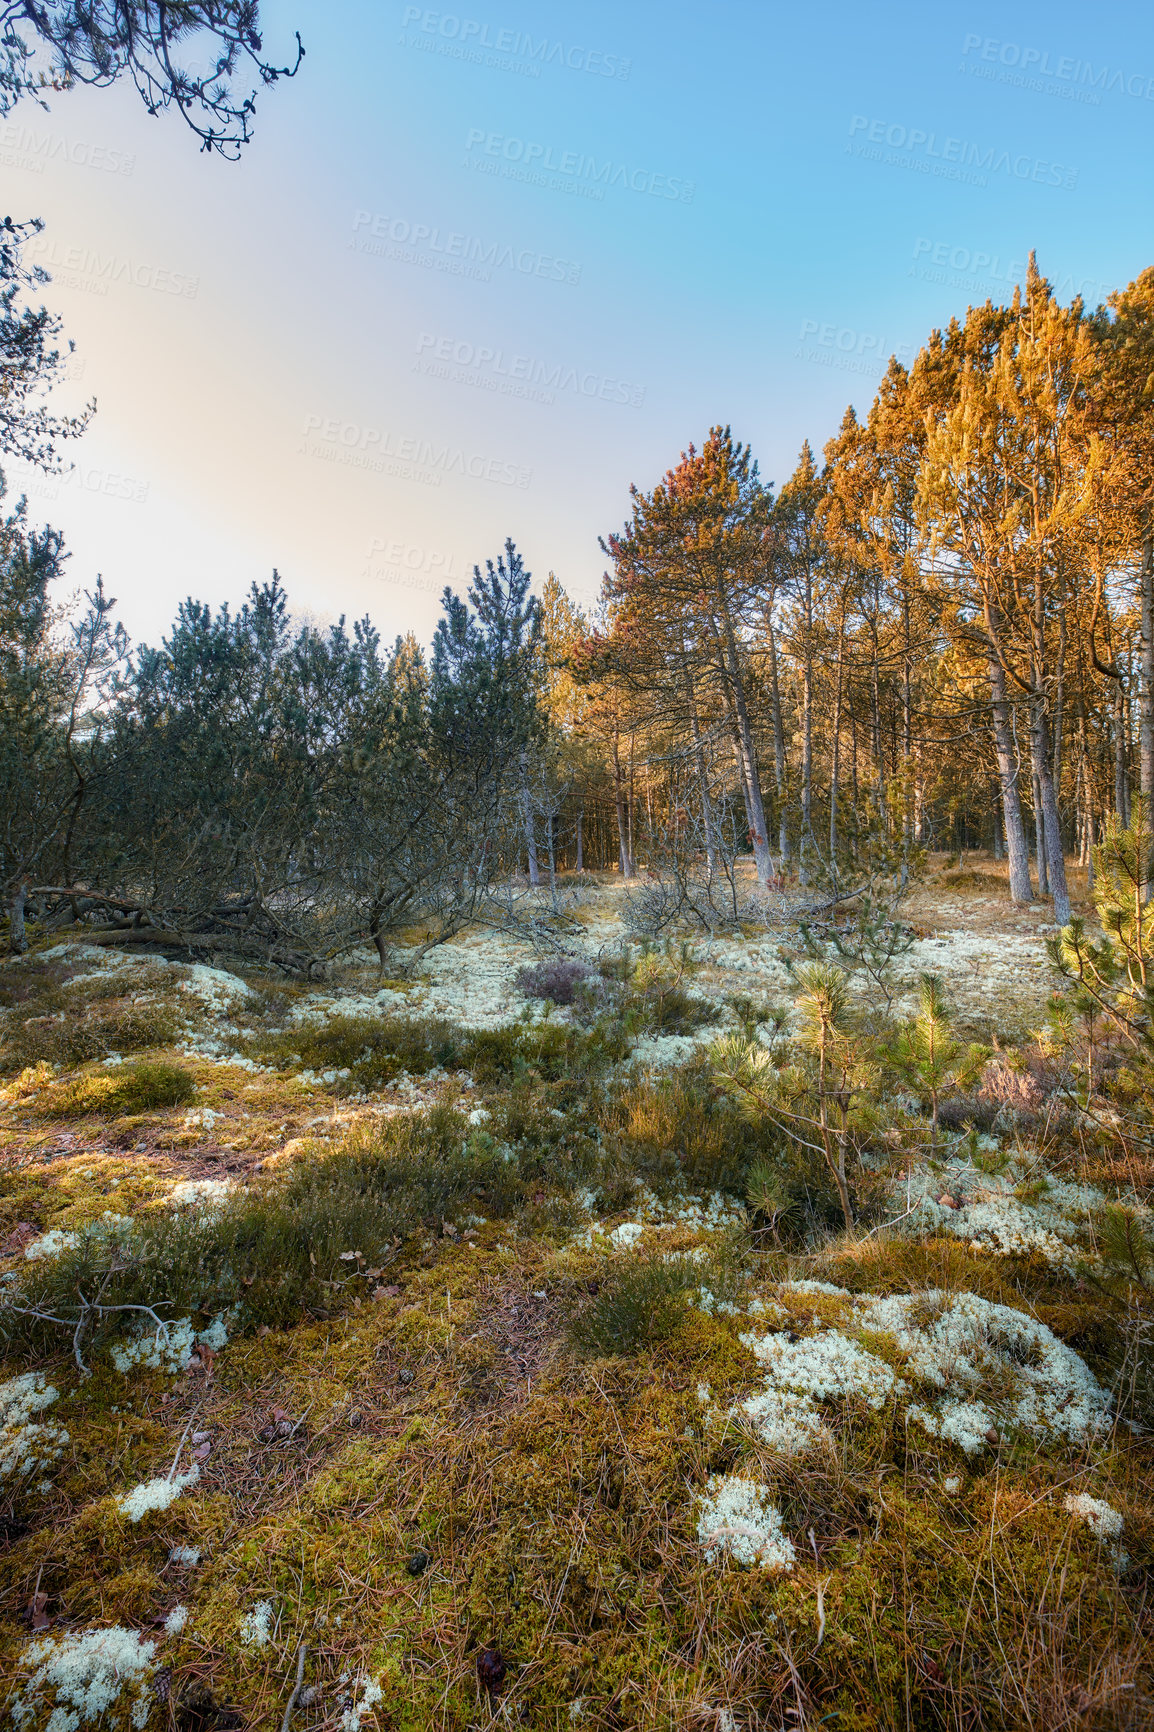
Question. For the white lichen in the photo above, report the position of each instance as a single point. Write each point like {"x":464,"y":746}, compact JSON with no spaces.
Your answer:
{"x":995,"y":1368}
{"x":51,"y":1244}
{"x":370,"y":1693}
{"x":27,"y":1443}
{"x":256,"y":1626}
{"x":156,"y":1494}
{"x":168,"y":1348}
{"x":156,"y":1349}
{"x":977,"y":1370}
{"x":83,"y":1675}
{"x":739,"y":1519}
{"x":199,"y":1191}
{"x":1103,"y":1520}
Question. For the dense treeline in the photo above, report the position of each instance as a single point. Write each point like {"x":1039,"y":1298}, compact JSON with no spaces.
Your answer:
{"x":941,"y":634}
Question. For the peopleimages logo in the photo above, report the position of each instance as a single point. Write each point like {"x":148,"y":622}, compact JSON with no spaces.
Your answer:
{"x":952,"y":158}
{"x":84,"y":268}
{"x":446,"y":250}
{"x":490,"y":369}
{"x":506,"y":49}
{"x":956,"y":266}
{"x":1037,"y":63}
{"x":407,"y":456}
{"x":21,"y":147}
{"x":83,"y":478}
{"x":407,"y":566}
{"x":847,"y":349}
{"x":568,"y":170}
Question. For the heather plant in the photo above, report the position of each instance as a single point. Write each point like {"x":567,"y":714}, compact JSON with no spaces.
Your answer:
{"x":297,"y":1240}
{"x":559,"y":979}
{"x":144,"y":1087}
{"x":643,"y":1299}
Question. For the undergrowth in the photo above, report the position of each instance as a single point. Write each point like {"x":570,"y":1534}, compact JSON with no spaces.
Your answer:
{"x":452,"y":1418}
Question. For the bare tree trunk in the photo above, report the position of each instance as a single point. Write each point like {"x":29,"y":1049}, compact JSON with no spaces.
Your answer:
{"x":807,"y":730}
{"x":624,"y":861}
{"x":580,"y":840}
{"x":1121,"y":791}
{"x":1039,"y":833}
{"x":703,"y":780}
{"x":1146,"y":700}
{"x":629,"y":812}
{"x":835,"y":754}
{"x":758,"y":833}
{"x":876,"y":716}
{"x":17,"y":936}
{"x":778,"y":742}
{"x":1051,"y":824}
{"x":527,"y":809}
{"x":1021,"y":889}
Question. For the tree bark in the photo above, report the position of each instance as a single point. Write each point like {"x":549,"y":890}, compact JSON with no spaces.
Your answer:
{"x":807,"y":727}
{"x":624,"y":861}
{"x":17,"y":936}
{"x":758,"y":833}
{"x":1051,"y":825}
{"x":835,"y":747}
{"x":778,"y":742}
{"x":527,"y":810}
{"x":1146,"y":700}
{"x":1121,"y":790}
{"x":1021,"y":890}
{"x":702,"y":779}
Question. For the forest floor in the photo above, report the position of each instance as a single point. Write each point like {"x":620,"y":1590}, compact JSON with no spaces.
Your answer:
{"x":487,"y":1393}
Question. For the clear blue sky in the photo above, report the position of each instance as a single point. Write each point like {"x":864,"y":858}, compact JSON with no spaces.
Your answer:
{"x":481,"y":269}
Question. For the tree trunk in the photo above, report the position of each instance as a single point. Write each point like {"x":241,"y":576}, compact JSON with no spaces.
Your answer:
{"x":807,"y":730}
{"x":619,"y":803}
{"x":1039,"y":834}
{"x":778,"y":742}
{"x":703,"y":781}
{"x":1146,"y":700}
{"x":527,"y":814}
{"x":1021,"y":889}
{"x":758,"y":833}
{"x":629,"y":814}
{"x":580,"y":840}
{"x":1121,"y":791}
{"x":1051,"y":825}
{"x":835,"y":749}
{"x":17,"y":937}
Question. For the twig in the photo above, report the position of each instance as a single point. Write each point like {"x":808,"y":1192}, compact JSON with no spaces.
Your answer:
{"x":88,"y":1308}
{"x":180,"y":1445}
{"x":292,"y":1701}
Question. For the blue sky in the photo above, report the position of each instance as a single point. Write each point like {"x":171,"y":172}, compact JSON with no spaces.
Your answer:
{"x":481,"y":269}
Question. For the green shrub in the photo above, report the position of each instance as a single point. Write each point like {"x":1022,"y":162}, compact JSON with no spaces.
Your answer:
{"x":131,"y":1088}
{"x":640,"y":1302}
{"x":643,"y":1298}
{"x":280,"y":1249}
{"x":69,"y":1034}
{"x":375,"y":1050}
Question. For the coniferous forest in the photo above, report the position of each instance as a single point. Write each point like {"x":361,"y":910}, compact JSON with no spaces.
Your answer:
{"x":594,"y":1169}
